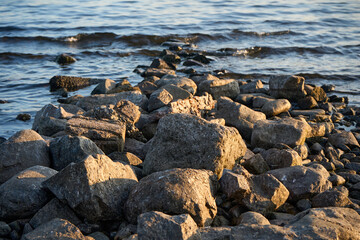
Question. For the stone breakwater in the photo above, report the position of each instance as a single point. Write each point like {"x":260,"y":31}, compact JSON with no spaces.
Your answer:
{"x":184,"y":155}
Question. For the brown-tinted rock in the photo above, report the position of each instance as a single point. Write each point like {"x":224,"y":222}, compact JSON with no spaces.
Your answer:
{"x":280,"y":158}
{"x":177,"y":92}
{"x":276,"y":107}
{"x":157,"y":72}
{"x":307,"y":103}
{"x":343,"y":138}
{"x":161,"y":64}
{"x":182,"y":82}
{"x":70,"y":83}
{"x":266,"y":232}
{"x":158,"y":99}
{"x":335,"y":197}
{"x":220,"y":88}
{"x":23,"y":195}
{"x":252,"y":87}
{"x":197,"y":105}
{"x":125,"y":157}
{"x":175,"y":191}
{"x":24,"y":149}
{"x":253,"y":218}
{"x":289,"y":87}
{"x":128,"y":112}
{"x":95,"y":188}
{"x":256,"y":164}
{"x":319,"y":94}
{"x":234,"y":185}
{"x":183,"y":140}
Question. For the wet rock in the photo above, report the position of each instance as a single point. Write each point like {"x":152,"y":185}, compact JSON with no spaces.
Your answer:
{"x":290,"y":131}
{"x":90,"y":102}
{"x":192,"y":62}
{"x":68,"y":149}
{"x":95,"y":188}
{"x":150,"y":72}
{"x":252,"y":87}
{"x":266,"y":194}
{"x":181,"y":140}
{"x":343,"y":138}
{"x":46,"y":121}
{"x":23,"y":117}
{"x":335,"y":197}
{"x":56,"y":229}
{"x":65,"y":59}
{"x":326,"y":224}
{"x":170,"y":57}
{"x":307,"y":103}
{"x":24,"y":149}
{"x":234,"y":185}
{"x":253,"y":218}
{"x":238,"y":116}
{"x":23,"y":195}
{"x":182,"y":82}
{"x":70,"y":83}
{"x":219,"y":88}
{"x":104,"y":87}
{"x":54,"y":209}
{"x":158,"y":225}
{"x":108,"y":136}
{"x":175,"y":191}
{"x":289,"y":87}
{"x":2,"y":101}
{"x":197,"y":106}
{"x":158,"y":99}
{"x":281,"y":158}
{"x":4,"y":229}
{"x":161,"y":64}
{"x":256,"y":164}
{"x":276,"y":107}
{"x":319,"y":94}
{"x":202,"y":58}
{"x":303,"y":182}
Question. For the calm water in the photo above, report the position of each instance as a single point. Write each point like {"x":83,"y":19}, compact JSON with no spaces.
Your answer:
{"x":317,"y":38}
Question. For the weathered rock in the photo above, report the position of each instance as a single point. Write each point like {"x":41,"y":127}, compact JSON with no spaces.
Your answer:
{"x":252,"y":87}
{"x":157,"y":72}
{"x":218,"y":88}
{"x":123,"y":86}
{"x":266,"y":194}
{"x":54,"y":209}
{"x":95,"y":188}
{"x":125,"y":157}
{"x":238,"y":116}
{"x":177,"y":92}
{"x":259,"y":101}
{"x":280,"y":158}
{"x":343,"y":138}
{"x":253,"y":218}
{"x":320,"y":129}
{"x":302,"y":150}
{"x":326,"y":224}
{"x":68,"y":149}
{"x":303,"y":204}
{"x":97,"y":236}
{"x":234,"y":185}
{"x":65,"y":59}
{"x":175,"y":191}
{"x":256,"y":164}
{"x":289,"y":87}
{"x":136,"y":147}
{"x":276,"y":107}
{"x":307,"y":103}
{"x":161,"y":64}
{"x":319,"y":94}
{"x":104,"y":87}
{"x":303,"y":182}
{"x":182,"y":82}
{"x":200,"y":78}
{"x":158,"y":225}
{"x":147,"y":87}
{"x":197,"y":106}
{"x":313,"y":113}
{"x":24,"y":149}
{"x":70,"y":83}
{"x":23,"y":195}
{"x":183,"y":140}
{"x":23,"y":117}
{"x":108,"y":136}
{"x":128,"y":112}
{"x":170,"y":57}
{"x":136,"y":97}
{"x":268,"y":133}
{"x":158,"y":99}
{"x":46,"y":122}
{"x":56,"y":229}
{"x":335,"y":197}
{"x":337,"y":180}
{"x":214,"y":233}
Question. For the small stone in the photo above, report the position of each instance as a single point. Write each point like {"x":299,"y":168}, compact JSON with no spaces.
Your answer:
{"x":256,"y":164}
{"x":65,"y":59}
{"x":276,"y":107}
{"x":2,"y":101}
{"x":253,"y":218}
{"x":234,"y":185}
{"x":23,"y":117}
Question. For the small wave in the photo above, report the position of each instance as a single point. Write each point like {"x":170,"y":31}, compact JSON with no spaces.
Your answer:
{"x":15,"y":55}
{"x":11,"y":29}
{"x":237,"y":32}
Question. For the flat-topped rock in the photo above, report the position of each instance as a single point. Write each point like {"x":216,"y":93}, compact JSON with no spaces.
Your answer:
{"x":289,"y":87}
{"x":197,"y":105}
{"x":182,"y":82}
{"x":70,"y":83}
{"x":310,"y":113}
{"x":219,"y":88}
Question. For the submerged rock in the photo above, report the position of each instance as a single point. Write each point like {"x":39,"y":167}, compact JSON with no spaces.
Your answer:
{"x":70,"y":83}
{"x":65,"y":59}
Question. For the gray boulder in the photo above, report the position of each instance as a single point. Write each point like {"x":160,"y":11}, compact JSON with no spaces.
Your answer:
{"x":177,"y":92}
{"x":182,"y":82}
{"x":158,"y":99}
{"x":104,"y":87}
{"x":197,"y":105}
{"x":335,"y":197}
{"x":303,"y":182}
{"x":95,"y":188}
{"x":219,"y":88}
{"x":158,"y":225}
{"x":23,"y":195}
{"x":280,"y":158}
{"x":187,"y":141}
{"x":234,"y":185}
{"x":252,"y":87}
{"x":24,"y":149}
{"x":150,"y":72}
{"x":289,"y":87}
{"x":175,"y":191}
{"x":46,"y":121}
{"x":56,"y":229}
{"x":238,"y":115}
{"x":68,"y":149}
{"x":343,"y":138}
{"x":276,"y":107}
{"x":263,"y":232}
{"x":290,"y":131}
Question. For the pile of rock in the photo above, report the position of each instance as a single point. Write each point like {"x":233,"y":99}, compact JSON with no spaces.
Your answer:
{"x":184,"y":157}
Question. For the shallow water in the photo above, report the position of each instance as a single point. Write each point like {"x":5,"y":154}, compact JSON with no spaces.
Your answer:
{"x":318,"y":39}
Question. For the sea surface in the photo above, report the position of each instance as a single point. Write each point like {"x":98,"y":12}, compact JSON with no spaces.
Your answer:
{"x":319,"y":39}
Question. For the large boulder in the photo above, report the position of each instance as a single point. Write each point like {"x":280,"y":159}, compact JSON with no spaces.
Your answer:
{"x":68,"y":149}
{"x":326,"y":224}
{"x":187,"y":141}
{"x":290,"y":131}
{"x":24,"y":149}
{"x":175,"y":191}
{"x":289,"y":87}
{"x":56,"y":229}
{"x":303,"y":182}
{"x":158,"y":99}
{"x":197,"y":105}
{"x":23,"y":195}
{"x":238,"y":115}
{"x":221,"y":87}
{"x":95,"y":188}
{"x":158,"y":225}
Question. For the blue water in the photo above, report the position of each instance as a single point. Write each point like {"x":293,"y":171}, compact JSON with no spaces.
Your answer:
{"x":319,"y":39}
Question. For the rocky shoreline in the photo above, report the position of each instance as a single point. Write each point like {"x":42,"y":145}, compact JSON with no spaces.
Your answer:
{"x":184,"y":155}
